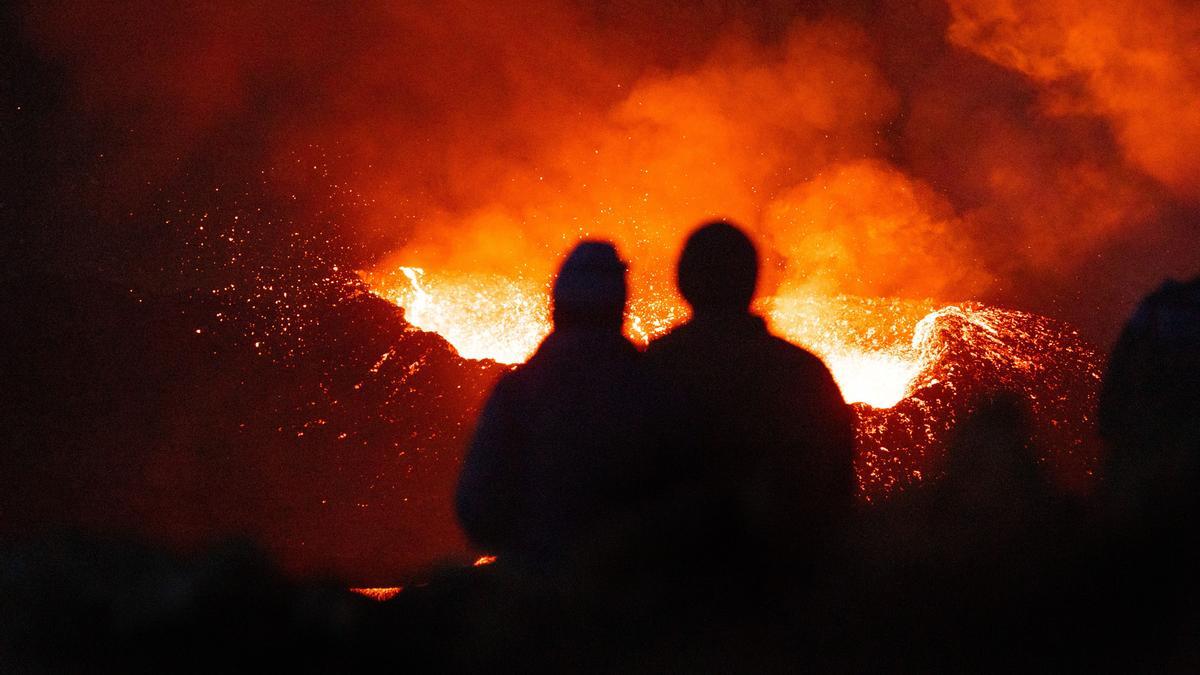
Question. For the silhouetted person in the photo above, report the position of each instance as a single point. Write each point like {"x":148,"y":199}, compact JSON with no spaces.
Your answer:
{"x":758,"y":441}
{"x":1149,"y":416}
{"x":1004,"y":548}
{"x":985,"y":557}
{"x":554,"y":451}
{"x":1150,"y":408}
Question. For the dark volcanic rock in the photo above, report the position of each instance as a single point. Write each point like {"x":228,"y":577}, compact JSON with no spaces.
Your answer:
{"x":970,"y":353}
{"x":332,"y":436}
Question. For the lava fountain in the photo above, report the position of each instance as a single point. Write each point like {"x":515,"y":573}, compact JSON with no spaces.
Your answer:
{"x":912,"y":369}
{"x":505,"y":318}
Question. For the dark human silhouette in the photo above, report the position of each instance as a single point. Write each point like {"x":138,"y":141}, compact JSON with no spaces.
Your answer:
{"x":1001,"y":563}
{"x":555,"y":450}
{"x":1149,"y":409}
{"x":1149,"y":416}
{"x":985,"y":556}
{"x":757,"y":441}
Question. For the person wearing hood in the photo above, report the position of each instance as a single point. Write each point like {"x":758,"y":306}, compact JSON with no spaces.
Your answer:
{"x":555,"y":449}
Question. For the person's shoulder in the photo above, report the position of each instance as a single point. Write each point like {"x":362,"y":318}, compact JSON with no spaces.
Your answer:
{"x":790,"y":348}
{"x":512,"y":381}
{"x":665,"y":344}
{"x":796,"y":356}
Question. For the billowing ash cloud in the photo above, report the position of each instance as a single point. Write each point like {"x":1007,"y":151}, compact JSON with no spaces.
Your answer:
{"x":980,"y":149}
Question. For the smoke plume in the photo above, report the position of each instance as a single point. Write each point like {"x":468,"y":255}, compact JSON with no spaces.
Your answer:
{"x":983,"y":149}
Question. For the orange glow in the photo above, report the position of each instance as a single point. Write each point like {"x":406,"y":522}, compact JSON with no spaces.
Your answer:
{"x":866,"y":343}
{"x":483,"y":316}
{"x":484,"y":560}
{"x":380,"y":594}
{"x":1131,"y":62}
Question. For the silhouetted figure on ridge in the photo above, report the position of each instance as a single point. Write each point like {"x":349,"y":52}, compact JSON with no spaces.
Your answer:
{"x":754,"y":430}
{"x":555,"y":450}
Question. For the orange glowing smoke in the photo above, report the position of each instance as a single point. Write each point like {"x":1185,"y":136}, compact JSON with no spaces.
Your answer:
{"x":1132,"y":62}
{"x":784,"y":138}
{"x":894,"y":152}
{"x":762,"y":133}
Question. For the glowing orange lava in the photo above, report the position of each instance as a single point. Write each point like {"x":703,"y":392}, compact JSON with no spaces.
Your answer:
{"x":867,"y":343}
{"x":380,"y":594}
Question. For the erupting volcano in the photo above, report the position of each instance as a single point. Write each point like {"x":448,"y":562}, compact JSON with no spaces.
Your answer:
{"x":504,"y":319}
{"x":276,"y":268}
{"x":912,"y":369}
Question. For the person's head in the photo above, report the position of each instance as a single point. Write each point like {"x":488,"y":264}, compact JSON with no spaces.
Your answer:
{"x":718,"y":269}
{"x":590,"y":287}
{"x":1149,"y":410}
{"x":1149,"y":390}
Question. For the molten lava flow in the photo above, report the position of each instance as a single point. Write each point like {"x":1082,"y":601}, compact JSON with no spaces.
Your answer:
{"x":877,"y":379}
{"x":379,"y":594}
{"x":968,"y":353}
{"x":483,"y":316}
{"x":866,"y":343}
